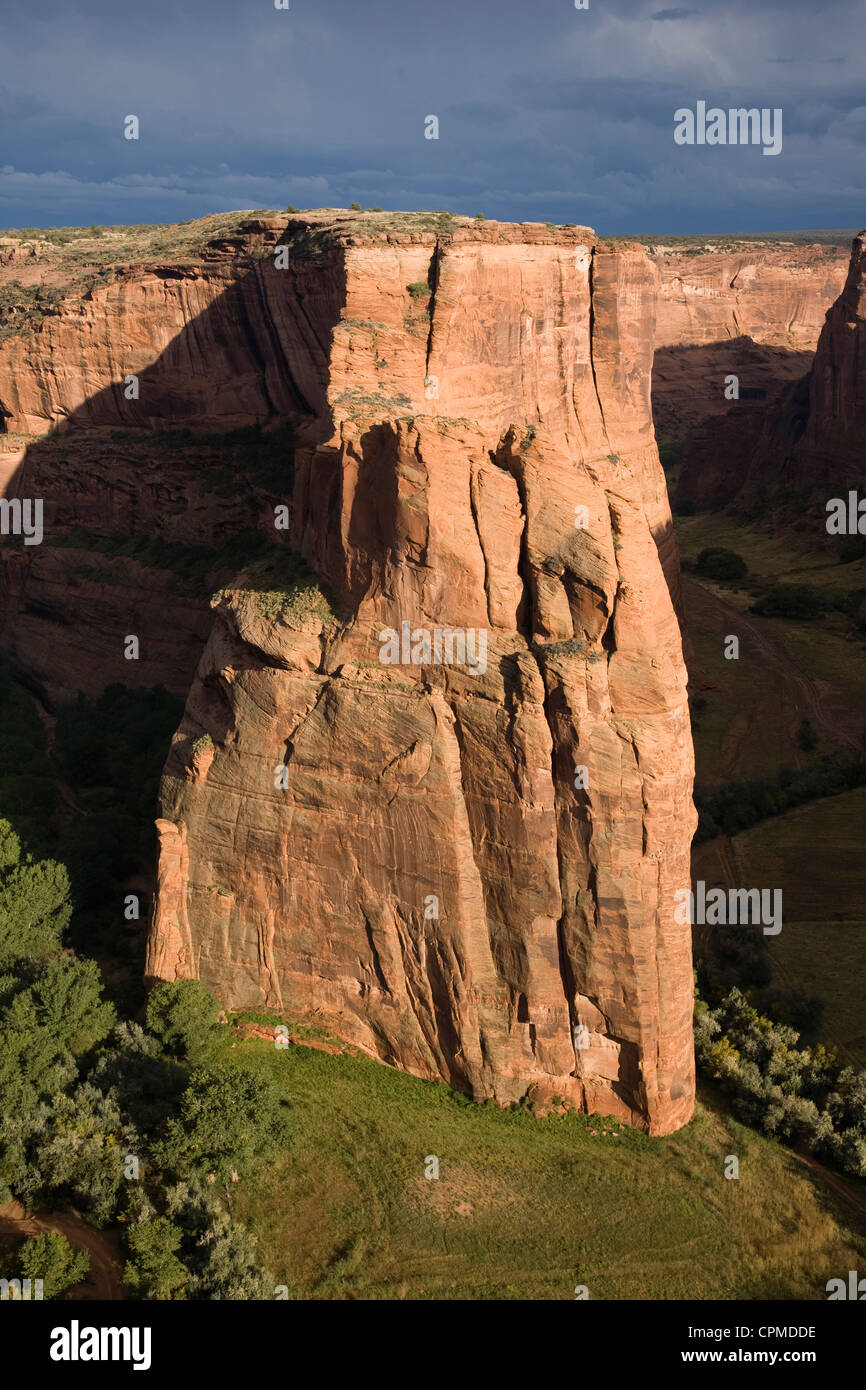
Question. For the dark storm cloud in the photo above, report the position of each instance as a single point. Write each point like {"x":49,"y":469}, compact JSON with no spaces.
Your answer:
{"x":546,"y":112}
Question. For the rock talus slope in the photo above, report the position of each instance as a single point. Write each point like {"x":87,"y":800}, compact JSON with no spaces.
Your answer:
{"x":466,"y":868}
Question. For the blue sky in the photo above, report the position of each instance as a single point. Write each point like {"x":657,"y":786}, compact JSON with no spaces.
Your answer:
{"x":545,"y":112}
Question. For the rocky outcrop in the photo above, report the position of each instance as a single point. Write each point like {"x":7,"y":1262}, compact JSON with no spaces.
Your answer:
{"x":98,"y":392}
{"x":445,"y":805}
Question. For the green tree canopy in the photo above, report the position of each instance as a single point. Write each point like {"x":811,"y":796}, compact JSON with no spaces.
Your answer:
{"x":183,"y":1015}
{"x":53,"y":1260}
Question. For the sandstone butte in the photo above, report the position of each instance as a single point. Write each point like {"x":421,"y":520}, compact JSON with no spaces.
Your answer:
{"x":431,"y":884}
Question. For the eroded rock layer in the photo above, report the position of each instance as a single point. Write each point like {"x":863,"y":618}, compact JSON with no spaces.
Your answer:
{"x":467,"y":865}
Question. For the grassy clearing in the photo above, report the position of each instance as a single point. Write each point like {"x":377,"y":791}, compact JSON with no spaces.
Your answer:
{"x":827,"y":837}
{"x":119,"y":245}
{"x":746,"y":724}
{"x":784,"y":557}
{"x":523,"y":1208}
{"x":829,"y":958}
{"x":815,"y":855}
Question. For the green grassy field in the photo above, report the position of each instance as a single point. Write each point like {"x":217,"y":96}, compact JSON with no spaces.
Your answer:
{"x":815,"y":855}
{"x":524,"y":1208}
{"x":789,"y":557}
{"x":787,"y":671}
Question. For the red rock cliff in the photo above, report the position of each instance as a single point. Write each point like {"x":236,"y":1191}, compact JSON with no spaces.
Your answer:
{"x":467,"y":869}
{"x":831,"y":449}
{"x":749,"y":309}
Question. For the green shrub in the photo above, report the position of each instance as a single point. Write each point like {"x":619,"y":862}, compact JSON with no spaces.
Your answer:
{"x":183,"y":1015}
{"x":52,"y":1259}
{"x":792,"y":601}
{"x":739,"y":805}
{"x":153,"y":1270}
{"x":419,"y":289}
{"x":717,"y":563}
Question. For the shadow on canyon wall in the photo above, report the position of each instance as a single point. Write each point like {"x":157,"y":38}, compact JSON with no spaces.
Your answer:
{"x":173,"y":467}
{"x":707,"y":439}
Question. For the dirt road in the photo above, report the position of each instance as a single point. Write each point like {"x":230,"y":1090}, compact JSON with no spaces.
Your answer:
{"x":103,"y":1279}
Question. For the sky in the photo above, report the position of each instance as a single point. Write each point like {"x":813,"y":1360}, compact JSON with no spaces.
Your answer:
{"x":545,"y":112}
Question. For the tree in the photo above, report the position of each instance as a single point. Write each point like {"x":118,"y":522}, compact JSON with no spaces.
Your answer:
{"x":68,"y":999}
{"x":219,"y":1252}
{"x":807,"y":739}
{"x":45,"y":1023}
{"x":34,"y":903}
{"x":718,"y":563}
{"x":53,"y":1260}
{"x":77,"y":1152}
{"x":153,"y":1269}
{"x":183,"y":1015}
{"x":230,"y":1121}
{"x":792,"y":601}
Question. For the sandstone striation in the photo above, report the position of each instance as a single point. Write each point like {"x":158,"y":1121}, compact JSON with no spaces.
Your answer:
{"x":469,"y":870}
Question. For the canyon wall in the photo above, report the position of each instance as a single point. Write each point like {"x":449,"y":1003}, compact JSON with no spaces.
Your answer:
{"x":467,"y":868}
{"x":749,"y":309}
{"x":815,"y":439}
{"x":208,"y":340}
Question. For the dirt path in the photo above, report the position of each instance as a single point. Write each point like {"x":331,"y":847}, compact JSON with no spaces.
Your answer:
{"x":103,"y":1279}
{"x":842,"y":1190}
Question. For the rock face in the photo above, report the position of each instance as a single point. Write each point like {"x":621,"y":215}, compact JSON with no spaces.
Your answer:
{"x":806,"y":442}
{"x":768,"y":291}
{"x":749,"y":309}
{"x":447,"y":817}
{"x":208,"y":341}
{"x":821,"y":427}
